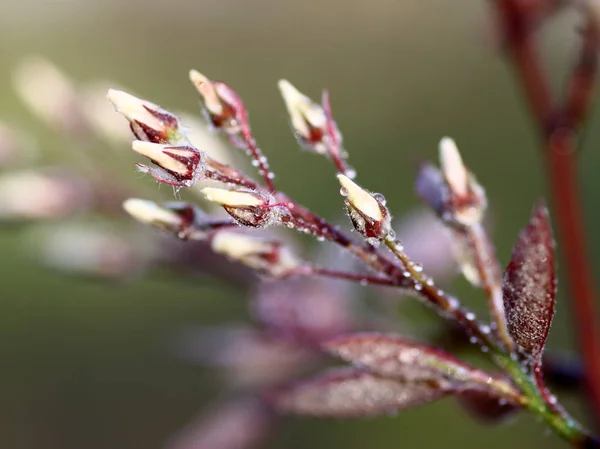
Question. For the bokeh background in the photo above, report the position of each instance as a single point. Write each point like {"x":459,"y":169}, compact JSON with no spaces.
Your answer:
{"x":88,"y":364}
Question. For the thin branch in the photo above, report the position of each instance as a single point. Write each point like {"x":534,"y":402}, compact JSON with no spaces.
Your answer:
{"x":490,"y":273}
{"x":363,"y":279}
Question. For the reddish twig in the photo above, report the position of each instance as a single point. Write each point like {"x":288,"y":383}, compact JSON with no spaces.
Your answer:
{"x":558,"y":128}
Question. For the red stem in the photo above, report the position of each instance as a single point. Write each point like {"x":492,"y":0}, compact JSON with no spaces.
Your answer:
{"x":563,"y":181}
{"x":558,"y":131}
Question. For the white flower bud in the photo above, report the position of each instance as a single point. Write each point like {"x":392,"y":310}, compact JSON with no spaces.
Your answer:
{"x":369,"y":216}
{"x":268,"y":256}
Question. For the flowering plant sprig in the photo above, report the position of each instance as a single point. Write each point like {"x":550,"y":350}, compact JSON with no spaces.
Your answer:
{"x":386,"y":372}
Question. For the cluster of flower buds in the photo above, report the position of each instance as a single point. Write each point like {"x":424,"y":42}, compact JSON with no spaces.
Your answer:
{"x":366,"y":210}
{"x":268,"y":256}
{"x":453,"y":193}
{"x":311,"y":123}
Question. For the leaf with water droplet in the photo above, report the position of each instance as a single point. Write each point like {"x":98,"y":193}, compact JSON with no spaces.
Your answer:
{"x":354,"y":392}
{"x":529,"y":286}
{"x":396,"y":357}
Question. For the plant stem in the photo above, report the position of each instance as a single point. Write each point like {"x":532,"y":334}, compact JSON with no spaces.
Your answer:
{"x":490,"y":274}
{"x":553,"y":415}
{"x":557,"y":130}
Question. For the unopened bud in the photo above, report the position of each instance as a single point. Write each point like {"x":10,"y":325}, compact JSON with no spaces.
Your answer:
{"x":181,"y":219}
{"x":369,"y":215}
{"x":453,"y":168}
{"x":148,"y":121}
{"x":268,"y":256}
{"x":453,"y":193}
{"x":467,"y":200}
{"x":221,"y":105}
{"x":50,"y":95}
{"x":40,"y":195}
{"x":179,"y":166}
{"x":247,"y":207}
{"x":308,"y":119}
{"x":89,"y":250}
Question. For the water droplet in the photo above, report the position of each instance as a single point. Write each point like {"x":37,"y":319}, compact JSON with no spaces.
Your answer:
{"x":485,"y":329}
{"x":270,"y":175}
{"x":343,"y":191}
{"x":470,"y":316}
{"x":364,"y":282}
{"x":350,"y":173}
{"x":484,"y":349}
{"x":380,"y":198}
{"x":392,"y":234}
{"x":320,"y":238}
{"x":418,"y":287}
{"x":255,"y":163}
{"x":417,"y":267}
{"x":406,"y":274}
{"x":473,"y":340}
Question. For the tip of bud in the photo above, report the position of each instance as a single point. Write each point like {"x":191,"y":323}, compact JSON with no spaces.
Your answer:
{"x":232,"y":198}
{"x":288,"y":91}
{"x":454,"y":170}
{"x":360,"y":199}
{"x":206,"y":88}
{"x":123,"y":101}
{"x":308,"y":119}
{"x":198,"y":78}
{"x":149,"y":212}
{"x":156,"y":153}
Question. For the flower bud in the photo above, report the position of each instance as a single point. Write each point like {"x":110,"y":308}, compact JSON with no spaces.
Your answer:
{"x":41,"y":195}
{"x":89,"y":250}
{"x":453,"y":192}
{"x":148,"y":122}
{"x":179,"y":166}
{"x":308,"y":119}
{"x":247,"y":207}
{"x":466,"y":197}
{"x":221,"y":105}
{"x":369,"y":215}
{"x":50,"y":95}
{"x":181,"y":219}
{"x":267,"y":256}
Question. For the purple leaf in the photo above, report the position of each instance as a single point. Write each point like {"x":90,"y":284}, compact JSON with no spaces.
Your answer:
{"x":396,"y":357}
{"x":353,"y":392}
{"x":529,"y":285}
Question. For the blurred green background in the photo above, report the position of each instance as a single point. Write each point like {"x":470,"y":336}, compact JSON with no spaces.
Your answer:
{"x":86,"y":364}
